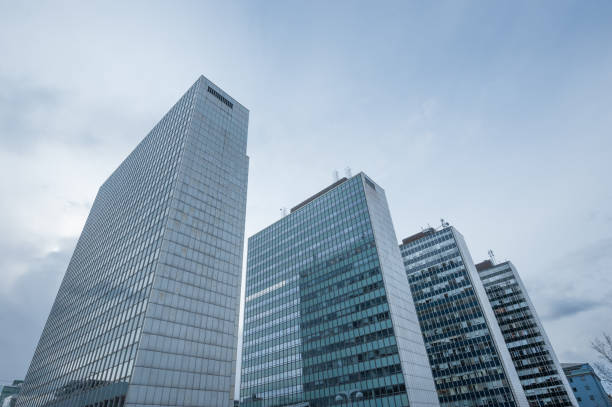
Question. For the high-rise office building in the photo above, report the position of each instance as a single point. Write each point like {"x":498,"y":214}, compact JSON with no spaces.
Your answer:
{"x":531,"y":351}
{"x":470,"y":363}
{"x":329,"y":319}
{"x":586,"y":385}
{"x":147,"y":312}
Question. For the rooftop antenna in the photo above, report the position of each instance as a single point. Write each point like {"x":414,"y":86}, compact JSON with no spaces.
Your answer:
{"x":444,"y":224}
{"x":336,"y":176}
{"x":492,"y":257}
{"x":347,"y":172}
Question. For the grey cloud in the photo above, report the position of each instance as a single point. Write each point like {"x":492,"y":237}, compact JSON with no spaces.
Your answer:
{"x":572,"y":295}
{"x":596,"y":255}
{"x":24,"y":309}
{"x":31,"y":113}
{"x":592,"y":263}
{"x":566,"y":307}
{"x":24,"y":109}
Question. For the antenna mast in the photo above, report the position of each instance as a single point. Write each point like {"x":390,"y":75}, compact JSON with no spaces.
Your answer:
{"x":492,"y":257}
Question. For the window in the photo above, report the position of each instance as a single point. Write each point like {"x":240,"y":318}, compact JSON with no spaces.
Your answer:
{"x":220,"y":97}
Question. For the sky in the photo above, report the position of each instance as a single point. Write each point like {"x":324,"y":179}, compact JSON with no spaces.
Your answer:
{"x":496,"y":116}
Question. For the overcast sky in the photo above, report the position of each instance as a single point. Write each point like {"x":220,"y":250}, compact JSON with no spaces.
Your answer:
{"x":496,"y":116}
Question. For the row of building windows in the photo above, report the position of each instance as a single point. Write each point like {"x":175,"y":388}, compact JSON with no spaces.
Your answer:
{"x":464,"y":360}
{"x":119,"y":244}
{"x":323,"y":260}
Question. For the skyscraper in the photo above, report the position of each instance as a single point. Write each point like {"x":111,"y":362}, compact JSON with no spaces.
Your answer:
{"x":470,"y":363}
{"x":328,"y":313}
{"x":147,"y":312}
{"x":534,"y":358}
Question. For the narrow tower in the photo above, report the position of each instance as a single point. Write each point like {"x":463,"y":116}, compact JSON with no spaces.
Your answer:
{"x":470,"y":363}
{"x":329,"y":319}
{"x":532,"y":353}
{"x":147,"y":312}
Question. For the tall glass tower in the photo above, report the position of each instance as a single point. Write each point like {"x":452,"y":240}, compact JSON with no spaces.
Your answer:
{"x":532,"y":353}
{"x":147,"y":312}
{"x":329,"y":319}
{"x":470,"y":362}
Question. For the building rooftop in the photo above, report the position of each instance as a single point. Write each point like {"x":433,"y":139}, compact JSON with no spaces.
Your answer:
{"x":418,"y":236}
{"x":572,"y":365}
{"x":318,"y":194}
{"x":484,"y":265}
{"x":578,"y":369}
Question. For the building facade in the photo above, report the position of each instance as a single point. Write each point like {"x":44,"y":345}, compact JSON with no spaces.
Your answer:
{"x":328,"y":315}
{"x":470,"y":363}
{"x":11,"y":391}
{"x":10,"y":401}
{"x":535,"y":361}
{"x":147,"y":312}
{"x":586,"y":385}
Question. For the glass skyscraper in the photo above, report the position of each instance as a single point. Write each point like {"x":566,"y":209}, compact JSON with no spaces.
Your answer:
{"x":329,"y":319}
{"x":470,"y":363}
{"x":147,"y":312}
{"x":534,"y":358}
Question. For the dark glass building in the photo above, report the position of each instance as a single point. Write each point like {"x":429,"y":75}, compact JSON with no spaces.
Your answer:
{"x":470,"y":363}
{"x":531,"y":351}
{"x":147,"y":312}
{"x":329,"y":319}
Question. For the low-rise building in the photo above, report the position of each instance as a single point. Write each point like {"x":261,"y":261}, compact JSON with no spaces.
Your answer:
{"x":10,"y":390}
{"x":586,"y":385}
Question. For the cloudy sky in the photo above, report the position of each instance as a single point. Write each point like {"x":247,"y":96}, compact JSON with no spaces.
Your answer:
{"x":494,"y":116}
